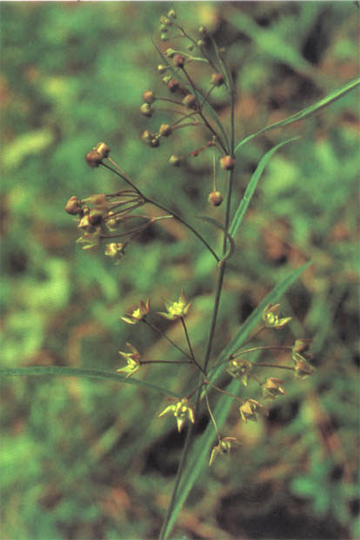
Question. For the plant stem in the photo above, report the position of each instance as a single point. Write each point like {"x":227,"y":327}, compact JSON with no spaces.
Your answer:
{"x":261,"y":364}
{"x":189,"y":345}
{"x":162,"y":334}
{"x":185,"y":223}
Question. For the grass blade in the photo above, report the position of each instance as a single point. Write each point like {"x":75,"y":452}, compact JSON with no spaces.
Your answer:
{"x":305,"y":113}
{"x":250,"y":190}
{"x":200,"y":452}
{"x":60,"y":371}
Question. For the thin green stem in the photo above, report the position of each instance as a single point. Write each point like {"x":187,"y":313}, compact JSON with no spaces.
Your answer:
{"x":189,"y":345}
{"x":264,"y":348}
{"x":121,"y":175}
{"x":212,"y":417}
{"x":162,"y":334}
{"x":225,"y":392}
{"x":185,"y":223}
{"x":165,"y":362}
{"x":262,"y":364}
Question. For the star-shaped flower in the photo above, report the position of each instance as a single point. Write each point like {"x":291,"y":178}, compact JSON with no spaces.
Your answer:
{"x":239,"y":369}
{"x":271,"y":317}
{"x":176,"y":310}
{"x":272,"y":388}
{"x":133,"y":361}
{"x":249,"y":409}
{"x":223,"y":448}
{"x":181,"y":411}
{"x":138,"y":314}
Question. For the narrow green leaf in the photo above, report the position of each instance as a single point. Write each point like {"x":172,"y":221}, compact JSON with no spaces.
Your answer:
{"x":250,"y":190}
{"x":200,"y":452}
{"x":60,"y":371}
{"x":305,"y":113}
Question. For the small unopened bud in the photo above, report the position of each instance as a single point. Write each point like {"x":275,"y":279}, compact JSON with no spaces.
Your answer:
{"x":73,"y":206}
{"x":173,"y":85}
{"x":150,"y":139}
{"x":165,"y":130}
{"x":149,"y":96}
{"x":200,"y":43}
{"x":179,"y":60}
{"x":93,"y":158}
{"x":217,"y":79}
{"x":164,"y":37}
{"x":103,"y":149}
{"x":166,"y":21}
{"x":166,"y":79}
{"x":172,"y":14}
{"x":169,"y":53}
{"x":202,"y":30}
{"x":215,"y":198}
{"x":146,"y":110}
{"x":190,"y":101}
{"x":161,"y":68}
{"x":175,"y":161}
{"x":227,"y":163}
{"x":163,"y":28}
{"x":95,"y":217}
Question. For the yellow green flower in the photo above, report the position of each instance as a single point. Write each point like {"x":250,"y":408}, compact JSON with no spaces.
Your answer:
{"x":176,"y":310}
{"x":133,"y":361}
{"x":181,"y":411}
{"x":239,"y":369}
{"x":272,"y":388}
{"x":138,"y":314}
{"x":300,"y":353}
{"x":271,"y":317}
{"x":249,"y":409}
{"x":224,"y":447}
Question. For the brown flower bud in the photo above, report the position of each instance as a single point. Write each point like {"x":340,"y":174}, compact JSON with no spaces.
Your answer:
{"x":227,"y":163}
{"x":93,"y":158}
{"x":165,"y":130}
{"x":190,"y":101}
{"x":179,"y":60}
{"x":102,"y":149}
{"x":73,"y":206}
{"x":215,"y":198}
{"x":95,"y":217}
{"x":173,"y":85}
{"x":217,"y":79}
{"x":149,"y":96}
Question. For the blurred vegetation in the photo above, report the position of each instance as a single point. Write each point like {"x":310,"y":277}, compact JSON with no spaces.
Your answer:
{"x":89,"y":459}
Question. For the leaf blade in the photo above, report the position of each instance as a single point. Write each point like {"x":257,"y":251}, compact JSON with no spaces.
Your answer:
{"x":61,"y":371}
{"x":304,"y":113}
{"x":251,"y":187}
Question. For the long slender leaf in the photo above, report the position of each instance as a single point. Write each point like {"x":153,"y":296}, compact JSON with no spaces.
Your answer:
{"x":305,"y":113}
{"x":200,"y":452}
{"x":250,"y":190}
{"x":60,"y":371}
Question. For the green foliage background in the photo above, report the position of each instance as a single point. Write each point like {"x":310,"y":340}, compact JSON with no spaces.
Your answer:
{"x":86,"y":459}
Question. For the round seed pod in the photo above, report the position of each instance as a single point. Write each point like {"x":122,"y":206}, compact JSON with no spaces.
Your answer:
{"x":179,"y":60}
{"x":165,"y":130}
{"x":73,"y":206}
{"x":93,"y":158}
{"x":175,"y":161}
{"x":102,"y":149}
{"x":215,"y":198}
{"x":227,"y":163}
{"x":190,"y":101}
{"x":217,"y":79}
{"x":146,"y":110}
{"x":149,"y":96}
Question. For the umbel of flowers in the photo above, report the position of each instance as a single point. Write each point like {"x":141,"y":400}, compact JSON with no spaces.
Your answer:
{"x":114,"y":220}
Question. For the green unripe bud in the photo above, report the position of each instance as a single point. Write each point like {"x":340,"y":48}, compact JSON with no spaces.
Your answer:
{"x":163,"y":28}
{"x":200,"y":43}
{"x":215,"y":198}
{"x":172,"y":14}
{"x":161,"y":68}
{"x":175,"y":161}
{"x":103,"y":149}
{"x":166,"y":21}
{"x":146,"y":110}
{"x":227,"y":163}
{"x":203,"y":30}
{"x":164,"y":37}
{"x":170,"y":53}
